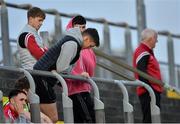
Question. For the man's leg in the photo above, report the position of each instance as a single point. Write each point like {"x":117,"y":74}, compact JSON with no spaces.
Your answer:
{"x":45,"y":91}
{"x":83,"y":112}
{"x":158,"y":98}
{"x":145,"y":100}
{"x":50,"y":110}
{"x":145,"y":107}
{"x":90,"y":105}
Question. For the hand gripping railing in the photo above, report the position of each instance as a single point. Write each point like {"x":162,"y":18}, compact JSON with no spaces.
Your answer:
{"x":2,"y":119}
{"x":155,"y":111}
{"x":67,"y":102}
{"x":33,"y":98}
{"x":98,"y":104}
{"x":127,"y":107}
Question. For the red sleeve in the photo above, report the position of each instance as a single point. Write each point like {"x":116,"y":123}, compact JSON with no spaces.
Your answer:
{"x":33,"y":47}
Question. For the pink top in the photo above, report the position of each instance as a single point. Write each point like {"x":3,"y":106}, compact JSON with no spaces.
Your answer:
{"x":85,"y":63}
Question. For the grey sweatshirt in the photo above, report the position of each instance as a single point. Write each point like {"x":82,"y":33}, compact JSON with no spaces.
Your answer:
{"x":68,"y":50}
{"x":63,"y":54}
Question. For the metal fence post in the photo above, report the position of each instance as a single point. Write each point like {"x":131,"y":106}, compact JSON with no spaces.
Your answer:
{"x":127,"y":107}
{"x":141,"y":17}
{"x":106,"y":38}
{"x":98,"y":104}
{"x":33,"y":98}
{"x":128,"y":45}
{"x":2,"y":119}
{"x":106,"y":48}
{"x":178,"y":74}
{"x":170,"y":48}
{"x":45,"y":38}
{"x":67,"y":102}
{"x":155,"y":111}
{"x":58,"y":26}
{"x":7,"y":58}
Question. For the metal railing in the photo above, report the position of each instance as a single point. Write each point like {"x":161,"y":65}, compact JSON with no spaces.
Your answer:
{"x":99,"y":106}
{"x":33,"y":98}
{"x":67,"y":103}
{"x":155,"y":110}
{"x":131,"y":69}
{"x":128,"y":112}
{"x":127,"y":107}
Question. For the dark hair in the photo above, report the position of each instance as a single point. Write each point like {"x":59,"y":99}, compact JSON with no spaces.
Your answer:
{"x":36,"y":12}
{"x":22,"y":83}
{"x":15,"y":92}
{"x":78,"y":20}
{"x":94,"y":34}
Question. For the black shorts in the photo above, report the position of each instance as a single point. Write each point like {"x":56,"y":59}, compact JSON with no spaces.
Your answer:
{"x":44,"y":89}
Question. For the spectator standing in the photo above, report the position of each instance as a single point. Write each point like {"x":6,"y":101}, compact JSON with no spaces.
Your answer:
{"x":79,"y":91}
{"x":29,"y":42}
{"x":60,"y":57}
{"x":144,"y":60}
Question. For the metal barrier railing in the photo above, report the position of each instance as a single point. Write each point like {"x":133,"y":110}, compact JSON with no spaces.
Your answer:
{"x":33,"y":98}
{"x":128,"y":67}
{"x":155,"y":111}
{"x":131,"y":69}
{"x":98,"y":104}
{"x":127,"y":107}
{"x":67,"y":103}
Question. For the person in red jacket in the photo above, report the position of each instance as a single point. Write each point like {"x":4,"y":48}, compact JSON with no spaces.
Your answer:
{"x":79,"y":91}
{"x":144,"y":60}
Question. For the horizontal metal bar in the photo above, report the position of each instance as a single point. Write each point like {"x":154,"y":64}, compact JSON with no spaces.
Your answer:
{"x":49,"y":74}
{"x":97,"y":20}
{"x":115,"y":71}
{"x":55,"y":12}
{"x":128,"y":67}
{"x":11,"y":40}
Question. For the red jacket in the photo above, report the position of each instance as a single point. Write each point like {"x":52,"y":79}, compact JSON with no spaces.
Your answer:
{"x":144,"y":60}
{"x":10,"y":114}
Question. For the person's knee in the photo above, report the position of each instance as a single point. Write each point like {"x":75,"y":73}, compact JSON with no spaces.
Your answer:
{"x":50,"y":110}
{"x":52,"y":115}
{"x":54,"y":118}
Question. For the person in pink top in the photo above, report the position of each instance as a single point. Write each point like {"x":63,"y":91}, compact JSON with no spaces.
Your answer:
{"x":79,"y":91}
